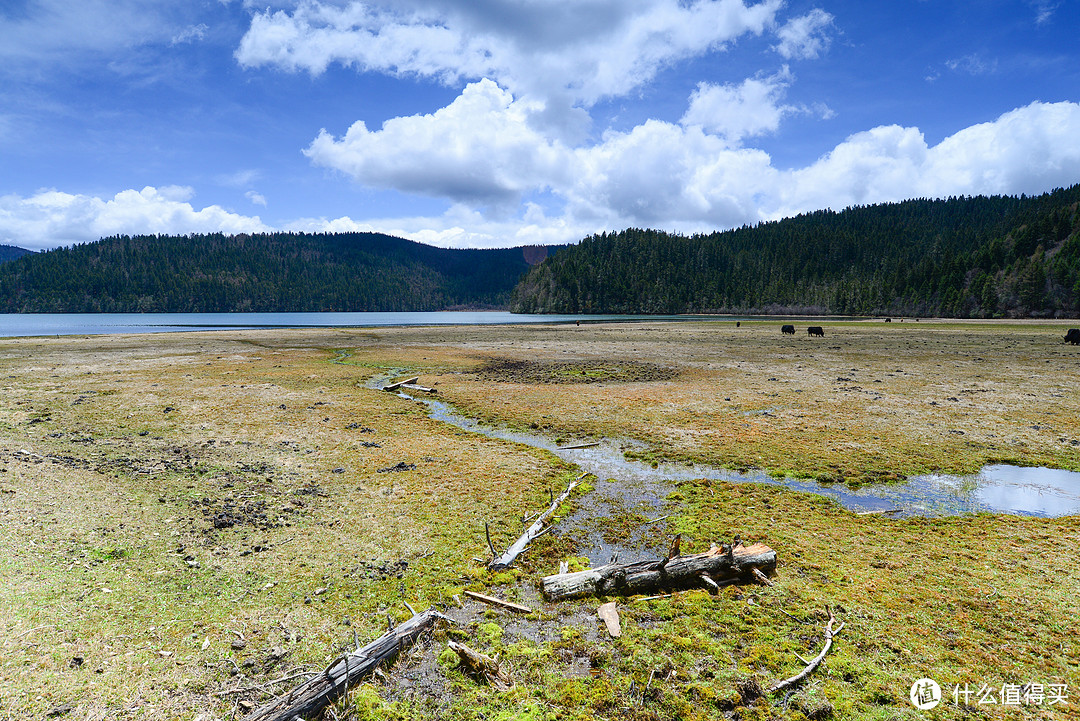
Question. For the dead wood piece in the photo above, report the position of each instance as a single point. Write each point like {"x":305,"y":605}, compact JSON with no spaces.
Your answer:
{"x":510,"y":605}
{"x":311,"y":697}
{"x":830,"y":633}
{"x":395,"y":386}
{"x":610,"y":616}
{"x":482,"y":666}
{"x":578,"y":446}
{"x":881,"y":512}
{"x":761,"y":577}
{"x":722,"y":565}
{"x":531,"y":533}
{"x":417,"y":387}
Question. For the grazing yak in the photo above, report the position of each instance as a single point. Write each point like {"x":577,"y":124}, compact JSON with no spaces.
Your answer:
{"x":787,"y":329}
{"x":1073,"y":336}
{"x":816,"y":330}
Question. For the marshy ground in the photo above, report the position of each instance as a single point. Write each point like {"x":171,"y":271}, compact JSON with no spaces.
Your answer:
{"x":185,"y":518}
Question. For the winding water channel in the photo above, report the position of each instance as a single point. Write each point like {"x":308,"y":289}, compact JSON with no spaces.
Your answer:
{"x":1025,"y":491}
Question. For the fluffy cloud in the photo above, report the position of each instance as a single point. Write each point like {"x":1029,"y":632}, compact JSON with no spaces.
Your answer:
{"x":739,"y":111}
{"x":1026,"y":150}
{"x":682,"y":177}
{"x":479,"y":149}
{"x":50,"y":217}
{"x":665,"y":175}
{"x":581,"y":49}
{"x":806,"y":36}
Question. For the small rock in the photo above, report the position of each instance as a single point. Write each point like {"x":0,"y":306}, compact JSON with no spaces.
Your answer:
{"x":76,"y":661}
{"x":58,"y":711}
{"x":239,"y":644}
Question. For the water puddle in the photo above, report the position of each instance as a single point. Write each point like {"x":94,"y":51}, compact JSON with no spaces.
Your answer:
{"x":1015,"y":490}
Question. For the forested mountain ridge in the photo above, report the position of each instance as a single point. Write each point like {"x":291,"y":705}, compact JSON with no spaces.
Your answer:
{"x":265,"y":272}
{"x":980,"y":256}
{"x":10,"y":252}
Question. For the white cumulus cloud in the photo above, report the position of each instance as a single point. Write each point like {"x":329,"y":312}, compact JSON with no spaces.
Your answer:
{"x":478,"y":149}
{"x":680,"y":176}
{"x":738,"y":111}
{"x":51,"y":217}
{"x":1026,"y":150}
{"x":580,"y":49}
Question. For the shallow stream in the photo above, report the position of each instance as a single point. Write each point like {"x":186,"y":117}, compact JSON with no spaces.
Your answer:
{"x":997,"y":488}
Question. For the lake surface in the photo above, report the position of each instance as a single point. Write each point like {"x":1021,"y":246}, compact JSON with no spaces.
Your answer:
{"x":44,"y":324}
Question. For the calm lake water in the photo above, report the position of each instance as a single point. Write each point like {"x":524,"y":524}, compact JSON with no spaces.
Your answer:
{"x":43,"y":324}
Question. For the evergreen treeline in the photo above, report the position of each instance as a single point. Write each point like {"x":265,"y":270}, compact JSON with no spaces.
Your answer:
{"x":271,"y":272}
{"x":960,"y":257}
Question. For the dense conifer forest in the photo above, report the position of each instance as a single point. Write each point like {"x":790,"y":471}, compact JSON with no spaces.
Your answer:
{"x":979,"y":257}
{"x":976,"y":257}
{"x":272,"y":272}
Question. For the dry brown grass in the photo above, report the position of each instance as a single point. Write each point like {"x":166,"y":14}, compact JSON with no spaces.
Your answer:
{"x":109,"y":555}
{"x":117,"y":453}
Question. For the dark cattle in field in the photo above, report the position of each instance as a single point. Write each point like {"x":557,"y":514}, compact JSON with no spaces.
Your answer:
{"x":816,"y":330}
{"x":888,"y":320}
{"x":1073,"y":336}
{"x":787,"y":329}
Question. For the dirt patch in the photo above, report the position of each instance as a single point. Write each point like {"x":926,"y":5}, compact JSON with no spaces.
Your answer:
{"x":586,"y":371}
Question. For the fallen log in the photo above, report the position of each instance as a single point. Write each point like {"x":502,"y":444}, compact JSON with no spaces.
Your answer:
{"x":531,"y":533}
{"x":417,"y":387}
{"x":720,"y":565}
{"x":311,"y":697}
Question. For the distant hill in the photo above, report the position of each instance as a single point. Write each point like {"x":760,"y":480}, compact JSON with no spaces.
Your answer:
{"x":270,"y":272}
{"x":960,"y":257}
{"x":10,"y":252}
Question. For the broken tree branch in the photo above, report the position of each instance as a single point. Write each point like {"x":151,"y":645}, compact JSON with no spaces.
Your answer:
{"x":531,"y":533}
{"x":310,"y":698}
{"x":482,"y":666}
{"x":722,"y":565}
{"x":830,"y":632}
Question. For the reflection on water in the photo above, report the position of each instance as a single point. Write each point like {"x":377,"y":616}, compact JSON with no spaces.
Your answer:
{"x":997,"y":488}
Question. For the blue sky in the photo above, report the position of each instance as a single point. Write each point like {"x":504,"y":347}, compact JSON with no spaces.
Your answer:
{"x":502,"y":122}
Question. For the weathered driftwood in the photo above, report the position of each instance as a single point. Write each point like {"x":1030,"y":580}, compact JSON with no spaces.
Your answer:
{"x":830,"y":633}
{"x":531,"y":533}
{"x":719,"y":565}
{"x":311,"y":697}
{"x":395,"y":386}
{"x":610,"y":616}
{"x":418,"y":387}
{"x":491,"y":600}
{"x":482,"y":666}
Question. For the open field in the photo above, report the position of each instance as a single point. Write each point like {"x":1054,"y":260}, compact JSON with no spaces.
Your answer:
{"x":187,"y":517}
